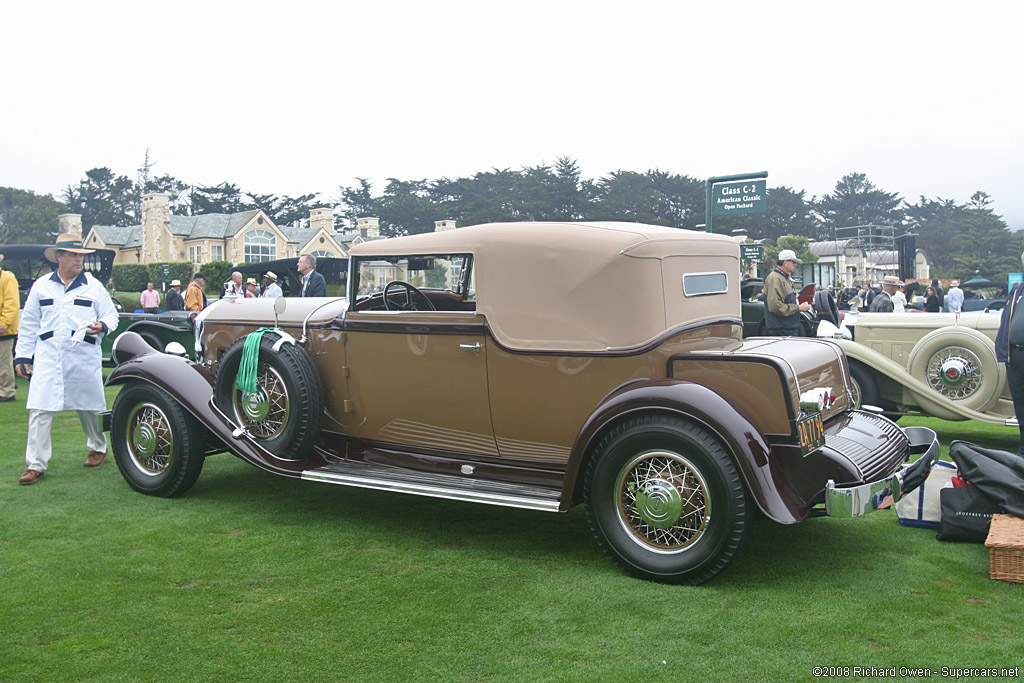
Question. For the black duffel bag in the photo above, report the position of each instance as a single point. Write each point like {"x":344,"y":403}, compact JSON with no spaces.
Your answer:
{"x":996,"y":485}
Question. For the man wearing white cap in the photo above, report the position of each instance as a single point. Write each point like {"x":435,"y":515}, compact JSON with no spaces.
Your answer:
{"x":781,"y":309}
{"x":271,"y":290}
{"x":66,"y":313}
{"x":1010,"y":350}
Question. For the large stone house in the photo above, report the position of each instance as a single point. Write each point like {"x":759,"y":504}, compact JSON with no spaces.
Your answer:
{"x":244,"y":237}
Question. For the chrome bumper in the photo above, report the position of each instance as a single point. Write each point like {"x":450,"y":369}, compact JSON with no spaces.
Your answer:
{"x":854,"y":501}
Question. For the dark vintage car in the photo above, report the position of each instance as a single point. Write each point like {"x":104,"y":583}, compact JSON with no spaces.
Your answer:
{"x":156,"y":329}
{"x":289,"y":279}
{"x":529,"y":365}
{"x":28,"y":263}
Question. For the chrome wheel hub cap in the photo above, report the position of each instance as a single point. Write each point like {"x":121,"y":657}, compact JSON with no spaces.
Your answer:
{"x":955,"y":372}
{"x":255,"y":405}
{"x":144,"y":440}
{"x":658,"y":504}
{"x":663,"y":501}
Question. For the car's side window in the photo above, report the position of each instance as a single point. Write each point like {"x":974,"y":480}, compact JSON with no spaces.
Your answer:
{"x":438,"y":282}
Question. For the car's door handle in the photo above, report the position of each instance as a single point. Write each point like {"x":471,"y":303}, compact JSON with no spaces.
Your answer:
{"x":475,"y":348}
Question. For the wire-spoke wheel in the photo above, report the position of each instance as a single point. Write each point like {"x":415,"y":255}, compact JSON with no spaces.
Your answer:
{"x":149,"y":438}
{"x":665,"y":500}
{"x":284,"y":412}
{"x":662,"y":501}
{"x":158,"y":446}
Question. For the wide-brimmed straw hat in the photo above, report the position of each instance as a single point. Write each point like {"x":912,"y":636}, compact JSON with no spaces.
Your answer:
{"x":891,"y":281}
{"x":250,"y":281}
{"x":66,"y":242}
{"x":175,"y":283}
{"x":272,"y":275}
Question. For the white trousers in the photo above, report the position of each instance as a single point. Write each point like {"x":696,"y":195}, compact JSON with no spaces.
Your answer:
{"x":38,"y":449}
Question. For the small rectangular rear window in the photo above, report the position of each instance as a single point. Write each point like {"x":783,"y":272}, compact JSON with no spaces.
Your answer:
{"x":700,"y":284}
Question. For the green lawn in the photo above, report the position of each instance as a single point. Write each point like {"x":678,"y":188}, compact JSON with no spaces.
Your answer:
{"x":250,"y":576}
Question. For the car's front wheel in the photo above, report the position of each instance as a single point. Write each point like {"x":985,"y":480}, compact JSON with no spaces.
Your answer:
{"x":665,"y":500}
{"x":157,"y":445}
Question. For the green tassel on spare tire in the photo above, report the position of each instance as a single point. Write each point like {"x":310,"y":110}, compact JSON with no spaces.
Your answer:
{"x":246,"y":380}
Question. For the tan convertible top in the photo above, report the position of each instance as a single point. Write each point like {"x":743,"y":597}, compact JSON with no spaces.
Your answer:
{"x":583,"y":286}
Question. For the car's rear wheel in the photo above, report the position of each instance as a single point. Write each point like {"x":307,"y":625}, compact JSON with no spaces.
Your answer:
{"x":665,"y":501}
{"x":158,"y":446}
{"x":284,"y":413}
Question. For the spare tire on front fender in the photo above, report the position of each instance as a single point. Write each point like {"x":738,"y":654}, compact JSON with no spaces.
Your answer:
{"x":284,"y":414}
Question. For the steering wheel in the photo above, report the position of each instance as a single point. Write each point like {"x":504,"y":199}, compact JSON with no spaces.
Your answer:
{"x":409,"y":291}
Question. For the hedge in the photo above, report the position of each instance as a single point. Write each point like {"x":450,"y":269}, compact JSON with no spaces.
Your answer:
{"x":217,"y":273}
{"x":132,"y":277}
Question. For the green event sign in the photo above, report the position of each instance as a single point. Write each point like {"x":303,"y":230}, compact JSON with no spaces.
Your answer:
{"x":745,"y":196}
{"x":752,"y":252}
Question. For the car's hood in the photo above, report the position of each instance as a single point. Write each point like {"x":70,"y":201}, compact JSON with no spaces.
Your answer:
{"x":261,"y":311}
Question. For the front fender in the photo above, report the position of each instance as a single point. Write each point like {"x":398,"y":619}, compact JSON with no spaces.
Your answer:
{"x":191,"y":385}
{"x":764,"y":478}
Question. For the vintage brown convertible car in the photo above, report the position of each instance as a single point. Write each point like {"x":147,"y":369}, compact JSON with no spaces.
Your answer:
{"x":530,"y":365}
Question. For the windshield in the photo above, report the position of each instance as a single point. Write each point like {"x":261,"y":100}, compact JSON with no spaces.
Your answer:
{"x":450,"y":272}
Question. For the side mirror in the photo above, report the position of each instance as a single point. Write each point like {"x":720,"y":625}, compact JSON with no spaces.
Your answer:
{"x":280,"y":304}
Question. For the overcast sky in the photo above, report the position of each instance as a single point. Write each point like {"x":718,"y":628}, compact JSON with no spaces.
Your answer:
{"x":296,"y":97}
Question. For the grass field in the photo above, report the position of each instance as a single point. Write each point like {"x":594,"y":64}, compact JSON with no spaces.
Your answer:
{"x":254,"y":577}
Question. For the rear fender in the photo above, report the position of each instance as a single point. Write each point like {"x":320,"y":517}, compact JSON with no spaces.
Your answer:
{"x":764,"y":478}
{"x":191,"y":385}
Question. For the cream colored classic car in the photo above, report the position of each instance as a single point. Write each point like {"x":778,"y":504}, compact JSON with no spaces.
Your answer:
{"x":939,"y":364}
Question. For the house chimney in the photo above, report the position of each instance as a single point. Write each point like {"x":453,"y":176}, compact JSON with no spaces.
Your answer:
{"x":70,"y":223}
{"x":156,"y":219}
{"x":368,"y":227}
{"x":447,"y":224}
{"x":322,"y":218}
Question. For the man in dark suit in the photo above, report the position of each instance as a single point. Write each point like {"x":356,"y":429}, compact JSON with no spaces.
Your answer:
{"x":313,"y":283}
{"x":173,"y":299}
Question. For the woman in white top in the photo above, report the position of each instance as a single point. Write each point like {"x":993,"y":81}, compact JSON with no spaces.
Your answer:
{"x":899,"y":301}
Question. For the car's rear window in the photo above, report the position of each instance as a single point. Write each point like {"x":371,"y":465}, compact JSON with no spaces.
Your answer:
{"x":701,"y":284}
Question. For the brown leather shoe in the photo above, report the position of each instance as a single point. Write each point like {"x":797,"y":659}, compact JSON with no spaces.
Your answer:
{"x":95,"y":458}
{"x":31,"y":477}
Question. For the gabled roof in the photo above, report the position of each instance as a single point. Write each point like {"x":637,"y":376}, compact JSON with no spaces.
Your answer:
{"x":123,"y":237}
{"x":206,"y":226}
{"x":210,"y":225}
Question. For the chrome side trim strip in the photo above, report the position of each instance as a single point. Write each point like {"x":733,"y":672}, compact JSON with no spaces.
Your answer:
{"x":434,"y":490}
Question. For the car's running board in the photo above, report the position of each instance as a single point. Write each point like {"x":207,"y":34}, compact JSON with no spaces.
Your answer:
{"x":384,"y":478}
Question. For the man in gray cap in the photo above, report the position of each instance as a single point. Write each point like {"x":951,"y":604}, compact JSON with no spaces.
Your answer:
{"x":1010,"y":350}
{"x":781,"y":309}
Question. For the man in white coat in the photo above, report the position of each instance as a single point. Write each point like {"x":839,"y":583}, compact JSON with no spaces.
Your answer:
{"x":66,"y":314}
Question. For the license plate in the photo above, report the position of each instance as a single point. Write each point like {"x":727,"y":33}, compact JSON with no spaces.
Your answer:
{"x":812,"y":432}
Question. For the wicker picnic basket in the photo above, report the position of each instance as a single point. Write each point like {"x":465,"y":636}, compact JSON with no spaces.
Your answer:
{"x":1005,"y":545}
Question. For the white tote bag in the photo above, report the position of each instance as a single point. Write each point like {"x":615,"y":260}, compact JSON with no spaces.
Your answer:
{"x":921,"y":507}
